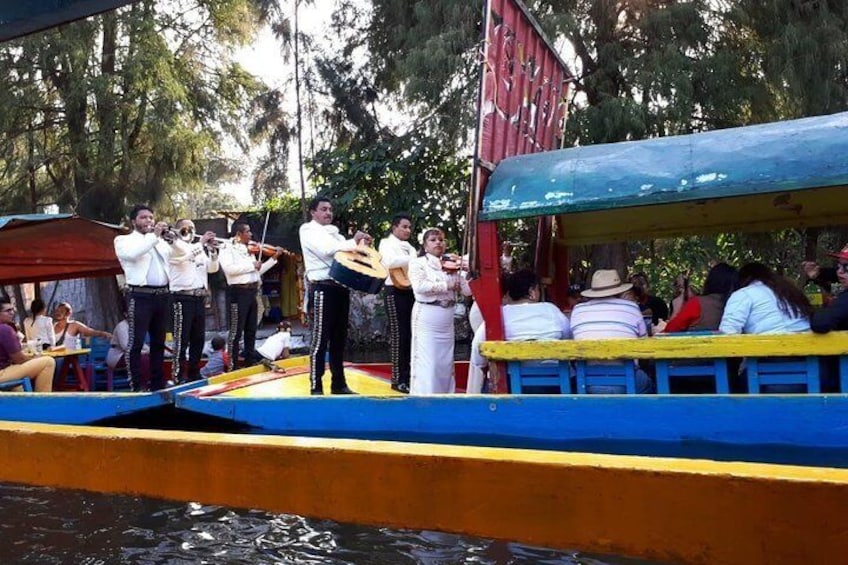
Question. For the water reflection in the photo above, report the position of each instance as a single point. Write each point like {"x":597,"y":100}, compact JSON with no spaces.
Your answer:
{"x":44,"y":525}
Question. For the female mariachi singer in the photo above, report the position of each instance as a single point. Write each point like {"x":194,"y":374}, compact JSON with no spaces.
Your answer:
{"x":435,"y":290}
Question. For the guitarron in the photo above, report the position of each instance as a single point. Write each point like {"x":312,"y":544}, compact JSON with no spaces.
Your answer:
{"x":359,"y":269}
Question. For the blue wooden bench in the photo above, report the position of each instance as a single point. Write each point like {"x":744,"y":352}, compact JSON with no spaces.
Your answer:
{"x":704,"y":368}
{"x":763,"y":372}
{"x":589,"y":375}
{"x":24,"y":382}
{"x":537,"y":374}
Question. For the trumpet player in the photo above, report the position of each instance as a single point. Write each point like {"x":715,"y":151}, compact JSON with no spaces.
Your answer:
{"x":144,"y":255}
{"x":188,"y":276}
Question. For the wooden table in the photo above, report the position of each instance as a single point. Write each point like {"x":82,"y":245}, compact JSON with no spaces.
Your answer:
{"x":71,"y":362}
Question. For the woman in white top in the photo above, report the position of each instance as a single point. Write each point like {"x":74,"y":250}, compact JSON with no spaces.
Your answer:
{"x":68,"y":331}
{"x":432,"y":317}
{"x":39,"y":326}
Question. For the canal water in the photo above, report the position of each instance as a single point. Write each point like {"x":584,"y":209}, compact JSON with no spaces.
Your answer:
{"x":48,"y":526}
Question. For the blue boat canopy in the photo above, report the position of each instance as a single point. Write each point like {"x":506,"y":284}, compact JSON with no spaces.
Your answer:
{"x":755,"y":178}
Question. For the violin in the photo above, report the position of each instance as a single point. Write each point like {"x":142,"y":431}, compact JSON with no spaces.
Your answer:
{"x":267,"y":249}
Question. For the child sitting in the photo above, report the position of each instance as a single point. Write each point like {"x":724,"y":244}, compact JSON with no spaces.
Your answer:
{"x":276,"y":346}
{"x":218,"y":360}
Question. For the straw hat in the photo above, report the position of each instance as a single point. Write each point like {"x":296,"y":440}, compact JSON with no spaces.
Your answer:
{"x":842,"y":254}
{"x":606,"y":282}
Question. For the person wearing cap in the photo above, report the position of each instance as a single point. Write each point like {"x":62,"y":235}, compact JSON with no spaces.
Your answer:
{"x":606,"y":315}
{"x":835,"y":316}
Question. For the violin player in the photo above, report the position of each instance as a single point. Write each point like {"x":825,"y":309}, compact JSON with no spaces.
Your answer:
{"x":329,"y":302}
{"x":244,"y":276}
{"x":188,"y":277}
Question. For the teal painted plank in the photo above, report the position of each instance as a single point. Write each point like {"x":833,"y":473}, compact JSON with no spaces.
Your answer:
{"x":776,"y":157}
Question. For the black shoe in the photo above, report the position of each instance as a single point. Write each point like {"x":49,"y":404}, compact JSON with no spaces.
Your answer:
{"x":317,"y":392}
{"x":401,"y":387}
{"x":342,"y":390}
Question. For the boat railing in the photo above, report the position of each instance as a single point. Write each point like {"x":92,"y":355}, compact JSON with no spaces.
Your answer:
{"x":805,"y":346}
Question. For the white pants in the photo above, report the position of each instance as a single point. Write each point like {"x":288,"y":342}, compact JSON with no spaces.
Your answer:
{"x":432,"y":350}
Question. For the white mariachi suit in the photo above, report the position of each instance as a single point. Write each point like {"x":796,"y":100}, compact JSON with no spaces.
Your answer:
{"x":432,"y":325}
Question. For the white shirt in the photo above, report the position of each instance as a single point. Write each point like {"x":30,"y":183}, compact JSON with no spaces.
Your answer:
{"x":40,"y":328}
{"x":430,"y":283}
{"x":237,"y":263}
{"x":754,"y":310}
{"x":274,"y":346}
{"x":142,"y":257}
{"x":529,"y":321}
{"x":319,"y":243}
{"x":396,"y":254}
{"x":189,"y":271}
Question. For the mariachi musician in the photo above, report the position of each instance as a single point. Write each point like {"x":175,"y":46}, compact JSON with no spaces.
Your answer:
{"x":396,"y":253}
{"x":244,"y":275}
{"x":189,"y":285}
{"x":329,"y":301}
{"x":143,"y":254}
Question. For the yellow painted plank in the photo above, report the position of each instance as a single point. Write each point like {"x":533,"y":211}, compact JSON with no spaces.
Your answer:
{"x":298,"y":385}
{"x":299,"y":361}
{"x":664,"y":509}
{"x":684,"y":347}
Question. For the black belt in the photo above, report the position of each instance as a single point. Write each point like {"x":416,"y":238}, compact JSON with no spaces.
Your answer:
{"x":149,"y":289}
{"x":193,"y":292}
{"x":250,"y":286}
{"x":327,"y":282}
{"x":441,"y":303}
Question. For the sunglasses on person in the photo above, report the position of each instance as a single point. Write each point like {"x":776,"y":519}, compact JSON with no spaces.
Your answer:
{"x":842,"y":266}
{"x":7,"y":310}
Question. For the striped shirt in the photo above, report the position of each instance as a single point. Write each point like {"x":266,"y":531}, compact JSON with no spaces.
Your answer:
{"x":607,"y":318}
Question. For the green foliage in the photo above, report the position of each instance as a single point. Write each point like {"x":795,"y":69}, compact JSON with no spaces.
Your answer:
{"x":411,"y":174}
{"x":133,"y":105}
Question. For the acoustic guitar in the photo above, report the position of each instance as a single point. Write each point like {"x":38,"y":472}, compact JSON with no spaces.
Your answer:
{"x":359,"y":269}
{"x":400,"y":278}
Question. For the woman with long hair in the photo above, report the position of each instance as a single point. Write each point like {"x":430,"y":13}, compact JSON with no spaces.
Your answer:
{"x":435,"y":290}
{"x":765,"y":303}
{"x":39,"y":326}
{"x":704,"y":312}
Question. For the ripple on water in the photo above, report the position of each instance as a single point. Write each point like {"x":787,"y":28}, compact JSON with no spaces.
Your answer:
{"x":48,"y":526}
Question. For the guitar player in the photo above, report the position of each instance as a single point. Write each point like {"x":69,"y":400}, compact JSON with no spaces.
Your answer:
{"x":329,"y":302}
{"x":397,"y":252}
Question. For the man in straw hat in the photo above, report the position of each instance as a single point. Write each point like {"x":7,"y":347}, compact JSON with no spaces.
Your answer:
{"x":606,"y":315}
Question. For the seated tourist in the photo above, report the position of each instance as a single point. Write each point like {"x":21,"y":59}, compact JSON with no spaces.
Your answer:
{"x":120,"y":348}
{"x":765,"y":303}
{"x":683,"y":292}
{"x":68,"y":330}
{"x":835,"y":315}
{"x":38,"y":326}
{"x":218,"y":361}
{"x":14,"y":364}
{"x":524,"y":317}
{"x":607,"y":315}
{"x":704,"y":312}
{"x":649,"y":305}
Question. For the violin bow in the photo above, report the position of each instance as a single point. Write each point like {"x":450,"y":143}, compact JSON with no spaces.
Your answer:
{"x":264,"y":233}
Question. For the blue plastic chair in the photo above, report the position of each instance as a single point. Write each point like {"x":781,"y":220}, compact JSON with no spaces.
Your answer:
{"x":764,"y":371}
{"x":532,"y":374}
{"x":714,"y":368}
{"x":623,"y":375}
{"x":24,"y":382}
